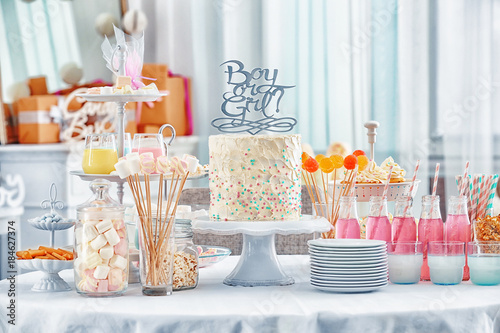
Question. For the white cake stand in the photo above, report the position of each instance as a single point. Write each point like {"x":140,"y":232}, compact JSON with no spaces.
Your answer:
{"x":258,"y":264}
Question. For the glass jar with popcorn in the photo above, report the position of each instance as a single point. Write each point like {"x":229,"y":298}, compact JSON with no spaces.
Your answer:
{"x":101,"y":245}
{"x":185,"y":257}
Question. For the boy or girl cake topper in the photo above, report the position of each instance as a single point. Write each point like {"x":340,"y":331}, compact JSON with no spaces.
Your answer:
{"x":254,"y":91}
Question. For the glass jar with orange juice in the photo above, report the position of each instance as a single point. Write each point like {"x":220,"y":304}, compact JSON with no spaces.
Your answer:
{"x":100,"y":155}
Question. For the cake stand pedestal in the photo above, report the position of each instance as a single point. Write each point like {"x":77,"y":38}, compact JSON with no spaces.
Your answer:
{"x":258,"y":264}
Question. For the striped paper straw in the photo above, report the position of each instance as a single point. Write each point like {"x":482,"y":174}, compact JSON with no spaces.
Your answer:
{"x":482,"y":197}
{"x":493,"y":189}
{"x":464,"y":179}
{"x":436,"y":175}
{"x":412,"y":185}
{"x":386,"y":189}
{"x":474,"y":195}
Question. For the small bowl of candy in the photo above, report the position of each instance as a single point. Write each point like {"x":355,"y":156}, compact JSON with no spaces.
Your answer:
{"x":209,"y":255}
{"x":51,"y":221}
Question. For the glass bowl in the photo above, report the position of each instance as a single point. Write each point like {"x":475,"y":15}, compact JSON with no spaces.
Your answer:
{"x":209,"y":255}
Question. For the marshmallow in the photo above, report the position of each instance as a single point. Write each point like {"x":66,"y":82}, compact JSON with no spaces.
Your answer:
{"x":78,"y":235}
{"x":115,"y":278}
{"x":93,"y":260}
{"x":112,"y":237}
{"x":118,"y":262}
{"x":150,"y":89}
{"x":148,"y":163}
{"x":134,"y":163}
{"x":133,"y":155}
{"x":107,"y":90}
{"x":121,"y":232}
{"x":121,"y":248}
{"x":105,"y":262}
{"x":89,"y":232}
{"x":118,"y":224}
{"x":139,"y":92}
{"x":106,"y":252}
{"x":95,"y":90}
{"x":122,"y":168}
{"x":102,"y":286}
{"x":101,"y":272}
{"x":104,"y":226}
{"x":122,"y":81}
{"x":192,"y":163}
{"x":78,"y":265}
{"x":183,"y":209}
{"x":99,"y":241}
{"x":162,"y":164}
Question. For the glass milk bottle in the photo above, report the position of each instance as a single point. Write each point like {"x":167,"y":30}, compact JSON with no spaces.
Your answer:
{"x":347,"y":225}
{"x":457,"y":227}
{"x":404,"y":228}
{"x":430,"y":228}
{"x":101,"y":245}
{"x":378,"y":225}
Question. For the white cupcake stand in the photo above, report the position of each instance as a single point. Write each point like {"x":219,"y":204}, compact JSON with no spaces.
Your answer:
{"x":258,"y":264}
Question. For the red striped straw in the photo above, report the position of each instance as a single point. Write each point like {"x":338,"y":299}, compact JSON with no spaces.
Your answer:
{"x":412,"y":185}
{"x":436,"y":176}
{"x":386,"y":189}
{"x":464,"y":179}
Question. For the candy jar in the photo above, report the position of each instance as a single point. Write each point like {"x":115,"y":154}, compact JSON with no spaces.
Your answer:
{"x":101,"y":245}
{"x":404,"y":228}
{"x":457,"y":227}
{"x":347,"y":225}
{"x":430,"y":229}
{"x":378,"y":225}
{"x":185,"y":257}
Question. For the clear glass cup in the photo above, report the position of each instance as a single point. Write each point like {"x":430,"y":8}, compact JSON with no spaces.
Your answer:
{"x":430,"y":228}
{"x":149,"y":143}
{"x":404,"y":228}
{"x":484,"y":263}
{"x":156,"y":254}
{"x":405,"y":262}
{"x":100,"y":155}
{"x":457,"y":225}
{"x":347,"y":225}
{"x":446,"y":262}
{"x":378,"y":225}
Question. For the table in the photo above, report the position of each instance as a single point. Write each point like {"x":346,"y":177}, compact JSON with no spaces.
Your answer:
{"x":215,"y":307}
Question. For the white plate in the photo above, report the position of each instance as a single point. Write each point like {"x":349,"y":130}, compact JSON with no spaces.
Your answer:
{"x":332,"y":276}
{"x":348,"y":283}
{"x":346,"y":243}
{"x":348,"y":290}
{"x":355,"y":280}
{"x":334,"y":257}
{"x":369,"y":266}
{"x":359,"y":263}
{"x":350,"y":270}
{"x":347,"y":249}
{"x":317,"y":254}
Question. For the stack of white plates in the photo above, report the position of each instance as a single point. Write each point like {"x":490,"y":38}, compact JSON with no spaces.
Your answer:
{"x":348,"y":265}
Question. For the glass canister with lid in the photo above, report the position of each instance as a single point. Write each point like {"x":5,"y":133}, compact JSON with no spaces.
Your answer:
{"x":185,"y":257}
{"x":101,"y":245}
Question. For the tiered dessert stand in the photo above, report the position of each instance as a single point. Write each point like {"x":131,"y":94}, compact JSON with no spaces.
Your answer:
{"x":258,"y":264}
{"x":51,"y":281}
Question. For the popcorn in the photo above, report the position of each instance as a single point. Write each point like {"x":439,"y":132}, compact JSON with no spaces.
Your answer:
{"x":185,"y":270}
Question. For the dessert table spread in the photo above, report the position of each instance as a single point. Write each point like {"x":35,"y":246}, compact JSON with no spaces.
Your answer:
{"x":215,"y":307}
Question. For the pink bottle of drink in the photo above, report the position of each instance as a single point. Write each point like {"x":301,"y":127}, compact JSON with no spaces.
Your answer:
{"x":378,"y":225}
{"x":404,"y":228}
{"x":457,"y":227}
{"x":430,"y":228}
{"x":347,"y":225}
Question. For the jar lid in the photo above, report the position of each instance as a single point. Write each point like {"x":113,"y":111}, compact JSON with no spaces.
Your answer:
{"x":183,"y":228}
{"x":100,"y":199}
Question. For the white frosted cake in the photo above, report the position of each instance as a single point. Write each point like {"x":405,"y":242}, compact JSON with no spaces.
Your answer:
{"x":254,"y":177}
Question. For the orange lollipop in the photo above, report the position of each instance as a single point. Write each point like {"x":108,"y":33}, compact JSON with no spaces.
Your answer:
{"x":358,"y":153}
{"x":337,"y":160}
{"x":319,"y":157}
{"x":305,"y":156}
{"x":326,"y":165}
{"x":362,"y":162}
{"x":311,"y":165}
{"x":350,"y":162}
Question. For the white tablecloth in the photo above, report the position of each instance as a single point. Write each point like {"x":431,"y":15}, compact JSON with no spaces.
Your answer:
{"x":215,"y":307}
